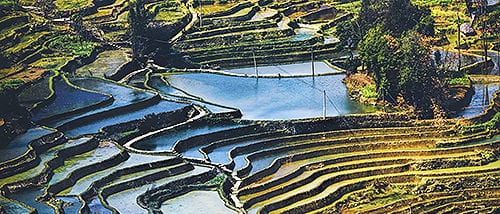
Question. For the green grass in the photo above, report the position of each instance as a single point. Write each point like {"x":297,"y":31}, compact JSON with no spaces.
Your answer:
{"x":73,"y":44}
{"x":352,"y":7}
{"x":70,"y":4}
{"x":369,"y":92}
{"x":52,"y":63}
{"x":75,"y":160}
{"x":10,"y":84}
{"x":25,"y":42}
{"x":488,"y":125}
{"x":459,"y":81}
{"x":217,"y":180}
{"x":169,"y":16}
{"x":215,"y":8}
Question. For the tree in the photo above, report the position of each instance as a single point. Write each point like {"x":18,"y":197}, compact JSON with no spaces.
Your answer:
{"x":376,"y":50}
{"x":138,"y":20}
{"x":417,"y":77}
{"x":348,"y":32}
{"x":396,"y":16}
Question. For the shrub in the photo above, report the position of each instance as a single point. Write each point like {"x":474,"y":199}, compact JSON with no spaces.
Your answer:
{"x":488,"y":125}
{"x":10,"y":84}
{"x":369,"y":92}
{"x":459,"y":81}
{"x":73,"y":44}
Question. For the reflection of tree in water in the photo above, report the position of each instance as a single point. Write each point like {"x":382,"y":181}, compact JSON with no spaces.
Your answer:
{"x":450,"y":60}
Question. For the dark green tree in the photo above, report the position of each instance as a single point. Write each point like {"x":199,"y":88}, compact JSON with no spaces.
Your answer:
{"x":376,"y":50}
{"x":396,"y":16}
{"x":348,"y":32}
{"x":418,"y":78}
{"x":138,"y":20}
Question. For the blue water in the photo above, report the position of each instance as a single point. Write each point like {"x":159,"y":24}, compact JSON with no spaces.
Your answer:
{"x":166,"y":140}
{"x":75,"y":204}
{"x":163,"y":88}
{"x":272,"y":98}
{"x":67,"y":99}
{"x":163,"y":106}
{"x":303,"y":34}
{"x":479,"y":101}
{"x":19,"y":145}
{"x":296,"y":69}
{"x":122,"y":96}
{"x":28,"y":198}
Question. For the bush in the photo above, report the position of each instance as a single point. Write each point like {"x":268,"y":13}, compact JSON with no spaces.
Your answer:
{"x":73,"y":44}
{"x":459,"y":81}
{"x":488,"y":125}
{"x":10,"y":84}
{"x":369,"y":92}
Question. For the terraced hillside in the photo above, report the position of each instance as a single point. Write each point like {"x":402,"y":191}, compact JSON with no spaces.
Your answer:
{"x":109,"y":136}
{"x":272,"y":31}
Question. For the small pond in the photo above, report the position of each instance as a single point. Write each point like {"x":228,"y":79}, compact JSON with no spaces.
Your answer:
{"x":162,"y":106}
{"x":287,"y":70}
{"x":12,"y":207}
{"x":175,"y":94}
{"x":302,"y":34}
{"x":126,"y":201}
{"x":134,"y":160}
{"x":264,"y":14}
{"x":122,"y":96}
{"x":450,"y":60}
{"x":66,"y":99}
{"x":106,"y":64}
{"x":28,"y":197}
{"x":72,"y":204}
{"x":95,"y":206}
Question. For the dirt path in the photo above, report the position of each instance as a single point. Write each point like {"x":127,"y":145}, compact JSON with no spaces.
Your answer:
{"x":194,"y":18}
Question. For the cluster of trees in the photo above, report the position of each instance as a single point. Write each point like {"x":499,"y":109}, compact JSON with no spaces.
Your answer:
{"x":390,"y":36}
{"x":138,"y":21}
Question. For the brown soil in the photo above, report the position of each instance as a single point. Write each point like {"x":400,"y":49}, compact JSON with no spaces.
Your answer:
{"x":28,"y":75}
{"x":484,"y":78}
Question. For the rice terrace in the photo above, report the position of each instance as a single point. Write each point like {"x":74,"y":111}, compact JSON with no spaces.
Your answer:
{"x":251,"y":106}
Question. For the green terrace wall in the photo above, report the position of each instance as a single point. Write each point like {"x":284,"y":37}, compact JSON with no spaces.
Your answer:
{"x":109,"y":113}
{"x":54,"y":163}
{"x":79,"y":173}
{"x":31,"y":159}
{"x":231,"y":10}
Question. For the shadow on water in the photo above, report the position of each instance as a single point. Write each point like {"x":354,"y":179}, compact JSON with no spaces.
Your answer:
{"x":483,"y":93}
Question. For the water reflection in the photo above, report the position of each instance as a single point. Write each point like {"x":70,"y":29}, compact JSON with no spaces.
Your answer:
{"x":272,"y":98}
{"x":483,"y":93}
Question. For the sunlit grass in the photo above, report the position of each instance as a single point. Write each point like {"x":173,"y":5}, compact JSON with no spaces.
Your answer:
{"x":70,"y":4}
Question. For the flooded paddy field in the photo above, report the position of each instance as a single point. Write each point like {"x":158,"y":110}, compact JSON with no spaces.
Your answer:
{"x":241,"y":109}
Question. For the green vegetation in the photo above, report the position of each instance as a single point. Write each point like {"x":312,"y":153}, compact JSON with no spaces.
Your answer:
{"x":377,"y":163}
{"x":492,"y":124}
{"x":459,"y":81}
{"x":70,"y":4}
{"x":10,"y":84}
{"x":369,"y":92}
{"x":73,"y":44}
{"x":217,"y":180}
{"x":169,"y":16}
